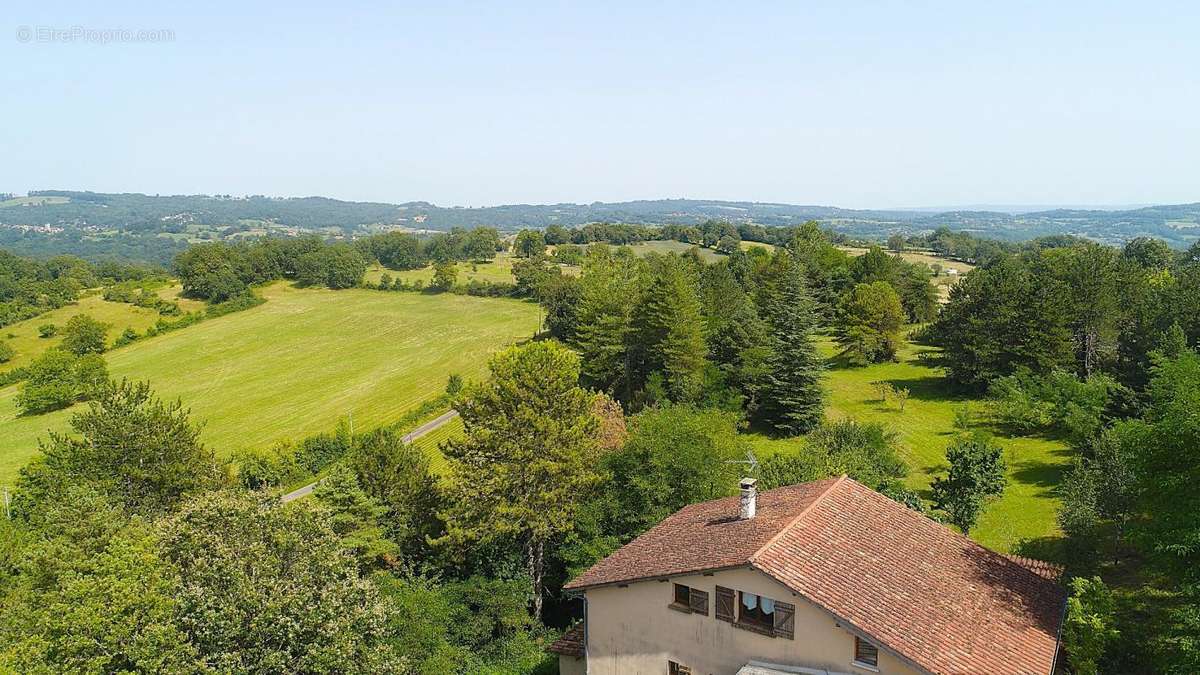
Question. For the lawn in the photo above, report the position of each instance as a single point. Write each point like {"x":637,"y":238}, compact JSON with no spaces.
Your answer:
{"x":646,"y":247}
{"x":497,"y":271}
{"x":24,"y":338}
{"x":1026,"y":511}
{"x":943,"y":281}
{"x":296,"y":364}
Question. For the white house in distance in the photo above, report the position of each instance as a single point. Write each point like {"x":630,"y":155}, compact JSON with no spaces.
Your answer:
{"x":820,"y":578}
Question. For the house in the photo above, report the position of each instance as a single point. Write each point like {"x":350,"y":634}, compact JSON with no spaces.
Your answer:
{"x":819,"y":578}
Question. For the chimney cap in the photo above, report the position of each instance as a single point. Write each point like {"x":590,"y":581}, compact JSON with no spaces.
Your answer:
{"x":749,"y":483}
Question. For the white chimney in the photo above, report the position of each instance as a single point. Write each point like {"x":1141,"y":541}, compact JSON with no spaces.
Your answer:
{"x":749,"y":498}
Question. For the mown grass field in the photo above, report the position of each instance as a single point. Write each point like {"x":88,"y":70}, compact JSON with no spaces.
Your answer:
{"x":497,"y":271}
{"x":1026,"y":510}
{"x":24,"y":338}
{"x":646,"y":247}
{"x":298,"y":363}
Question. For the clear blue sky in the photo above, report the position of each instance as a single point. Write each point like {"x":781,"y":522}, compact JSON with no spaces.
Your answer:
{"x":857,"y":104}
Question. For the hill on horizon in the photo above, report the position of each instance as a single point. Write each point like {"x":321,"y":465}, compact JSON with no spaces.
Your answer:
{"x":155,"y":227}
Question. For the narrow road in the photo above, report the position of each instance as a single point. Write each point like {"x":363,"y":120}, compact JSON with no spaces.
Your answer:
{"x":407,"y":438}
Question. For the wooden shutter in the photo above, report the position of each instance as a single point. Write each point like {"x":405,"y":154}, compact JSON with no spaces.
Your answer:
{"x":698,"y":601}
{"x":726,"y":603}
{"x":785,"y":620}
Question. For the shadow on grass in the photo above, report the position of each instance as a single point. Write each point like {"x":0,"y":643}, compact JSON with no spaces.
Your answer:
{"x":1040,"y":474}
{"x":1048,"y":548}
{"x":932,"y":388}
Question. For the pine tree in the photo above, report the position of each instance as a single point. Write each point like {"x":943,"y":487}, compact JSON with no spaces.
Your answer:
{"x":792,"y":396}
{"x":528,"y":457}
{"x":668,"y":335}
{"x":604,"y":320}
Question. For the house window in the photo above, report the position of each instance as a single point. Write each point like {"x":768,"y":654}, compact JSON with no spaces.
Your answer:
{"x":674,"y":668}
{"x":682,"y":595}
{"x":756,"y":610}
{"x":865,"y":653}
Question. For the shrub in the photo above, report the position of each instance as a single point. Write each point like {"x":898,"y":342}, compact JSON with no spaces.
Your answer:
{"x":60,"y":378}
{"x":47,"y":330}
{"x":1089,"y":624}
{"x":84,"y":335}
{"x":6,"y":352}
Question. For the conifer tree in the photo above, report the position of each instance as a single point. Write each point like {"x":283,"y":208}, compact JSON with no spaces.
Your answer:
{"x":668,"y":335}
{"x":792,"y":396}
{"x":604,"y":320}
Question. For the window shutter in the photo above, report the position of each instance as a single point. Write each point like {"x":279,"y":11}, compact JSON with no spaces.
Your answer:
{"x":785,"y":620}
{"x":698,"y":601}
{"x":725,"y":603}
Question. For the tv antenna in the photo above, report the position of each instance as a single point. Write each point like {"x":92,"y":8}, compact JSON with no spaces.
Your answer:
{"x":750,"y":461}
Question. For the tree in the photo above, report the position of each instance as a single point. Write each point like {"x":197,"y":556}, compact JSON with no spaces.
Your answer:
{"x":604,"y":318}
{"x":870,"y":319}
{"x":897,"y":242}
{"x":91,"y":594}
{"x":356,"y":518}
{"x":529,"y":244}
{"x":445,"y":275}
{"x":728,"y":244}
{"x":738,"y":339}
{"x":47,"y":330}
{"x":678,"y":455}
{"x":792,"y":397}
{"x":267,"y":587}
{"x":668,"y":327}
{"x":481,"y":244}
{"x":1148,"y":253}
{"x":559,"y":295}
{"x":977,"y":473}
{"x":6,"y":352}
{"x":1088,"y":627}
{"x":84,"y":335}
{"x":397,"y":476}
{"x":528,"y":455}
{"x":143,"y":453}
{"x":865,"y":452}
{"x":59,"y":378}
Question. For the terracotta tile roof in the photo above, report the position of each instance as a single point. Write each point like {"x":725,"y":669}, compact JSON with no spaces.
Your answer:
{"x":932,"y":596}
{"x":703,"y":536}
{"x":571,"y":642}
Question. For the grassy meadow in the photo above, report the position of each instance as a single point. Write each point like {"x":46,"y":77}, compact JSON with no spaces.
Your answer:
{"x":1024,"y":513}
{"x":298,"y":363}
{"x":497,"y":271}
{"x":24,"y":338}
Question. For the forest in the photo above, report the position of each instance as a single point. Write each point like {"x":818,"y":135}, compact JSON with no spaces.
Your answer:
{"x":130,"y":545}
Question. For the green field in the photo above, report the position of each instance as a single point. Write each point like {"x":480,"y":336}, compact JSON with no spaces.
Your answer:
{"x":296,"y":364}
{"x":1026,"y":510}
{"x":497,"y":271}
{"x":646,"y":247}
{"x":32,"y":201}
{"x":24,"y":338}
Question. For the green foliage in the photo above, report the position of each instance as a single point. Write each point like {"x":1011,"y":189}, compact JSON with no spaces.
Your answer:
{"x":481,"y":244}
{"x":143,"y":454}
{"x":1028,"y":402}
{"x":738,"y":339}
{"x":356,"y":518}
{"x":84,"y":335}
{"x":870,"y":320}
{"x":238,"y":556}
{"x":1000,"y":317}
{"x":397,"y":476}
{"x":865,"y":452}
{"x":6,"y":352}
{"x":445,"y":275}
{"x":337,"y":266}
{"x":529,"y":454}
{"x":59,"y":378}
{"x":977,"y":473}
{"x":668,"y":330}
{"x":92,"y":594}
{"x":675,"y":455}
{"x":792,"y":397}
{"x":454,"y":385}
{"x":1088,"y":625}
{"x":604,"y":319}
{"x":529,"y":244}
{"x":47,"y":330}
{"x":1164,"y":449}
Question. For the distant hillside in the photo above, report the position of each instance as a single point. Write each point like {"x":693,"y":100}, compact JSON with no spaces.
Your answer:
{"x":137,"y":226}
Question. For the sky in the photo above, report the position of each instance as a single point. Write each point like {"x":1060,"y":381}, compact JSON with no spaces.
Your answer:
{"x":853,"y":104}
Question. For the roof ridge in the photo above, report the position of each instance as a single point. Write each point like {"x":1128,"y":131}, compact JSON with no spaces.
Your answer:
{"x":792,"y":523}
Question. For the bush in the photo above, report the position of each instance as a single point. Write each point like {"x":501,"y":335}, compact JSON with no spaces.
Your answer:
{"x":1089,"y":624}
{"x":6,"y":352}
{"x":1028,"y":402}
{"x":60,"y":378}
{"x":47,"y":330}
{"x":127,"y":336}
{"x":317,"y":452}
{"x":84,"y":335}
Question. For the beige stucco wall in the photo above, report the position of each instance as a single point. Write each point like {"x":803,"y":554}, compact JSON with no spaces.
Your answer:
{"x":632,"y":631}
{"x":571,"y":665}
